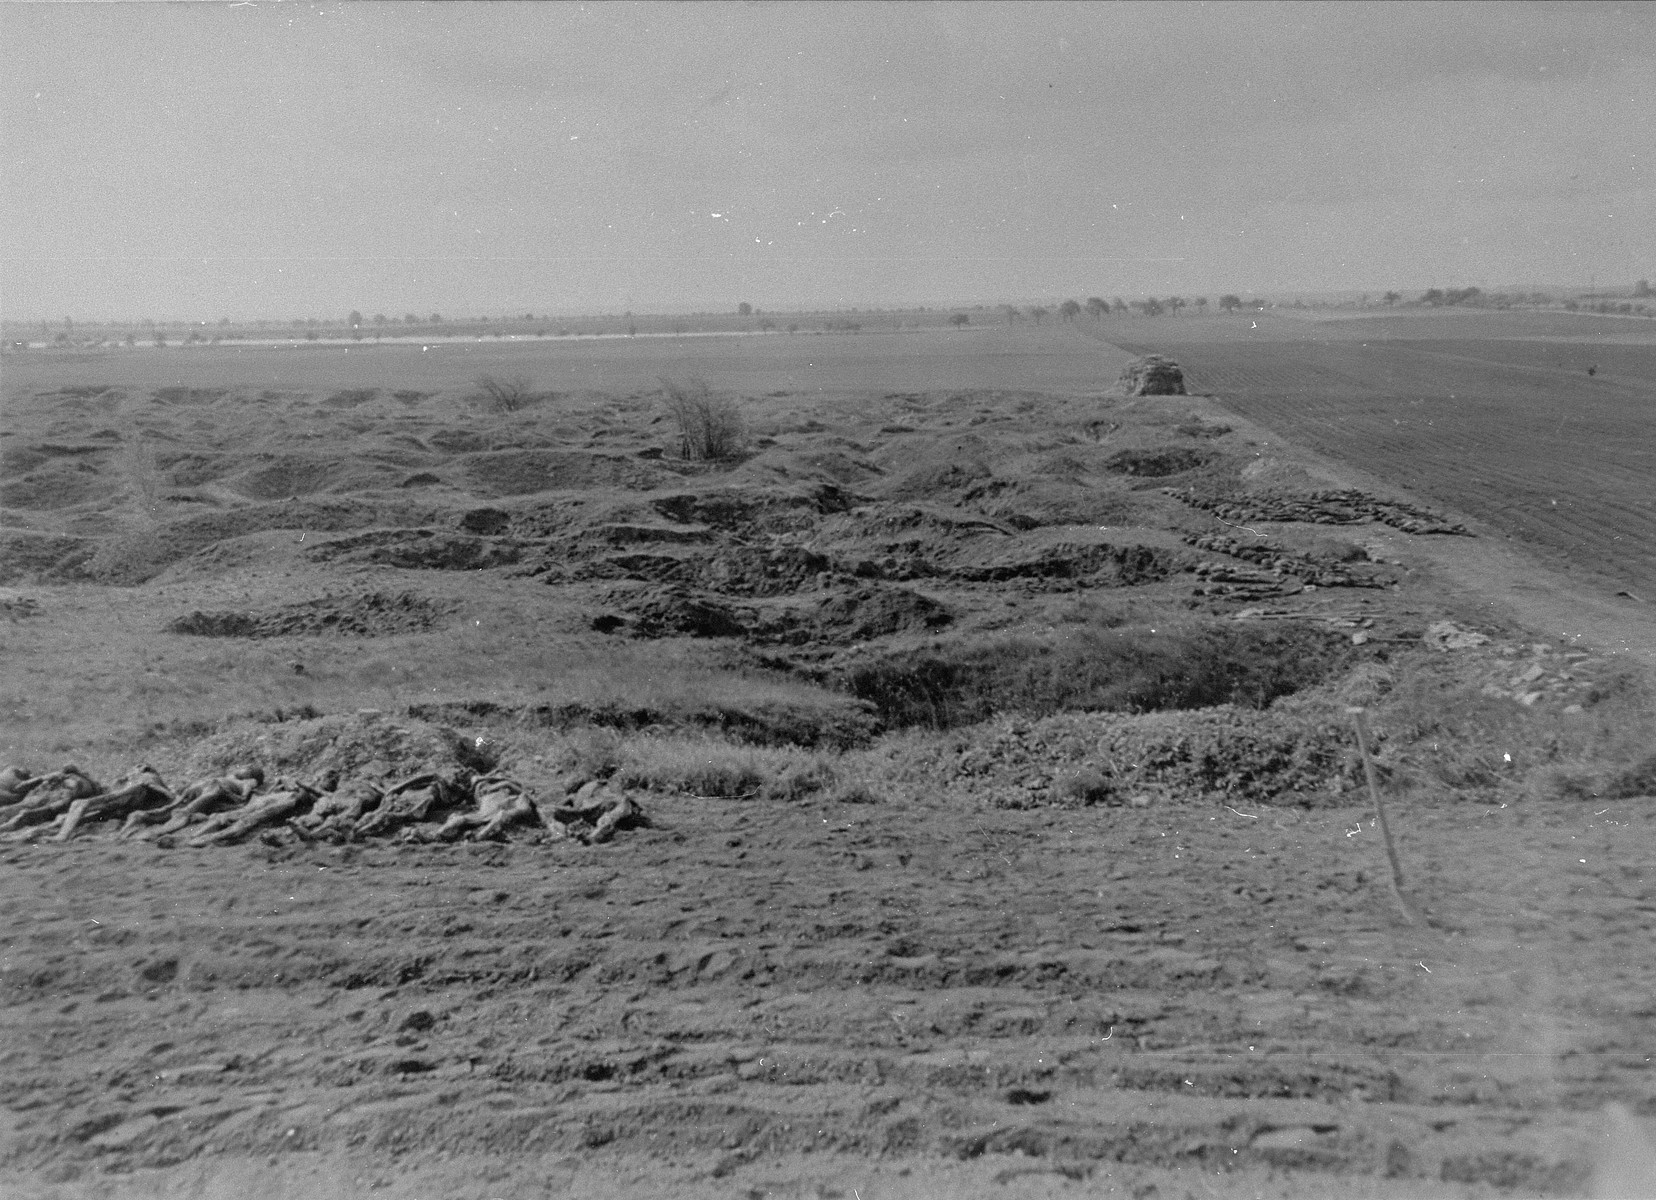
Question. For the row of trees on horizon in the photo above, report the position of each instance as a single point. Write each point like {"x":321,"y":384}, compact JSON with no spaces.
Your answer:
{"x":1094,"y":307}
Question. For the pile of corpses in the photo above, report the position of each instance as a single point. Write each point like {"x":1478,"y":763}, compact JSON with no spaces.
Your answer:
{"x":1348,"y":507}
{"x":434,"y":806}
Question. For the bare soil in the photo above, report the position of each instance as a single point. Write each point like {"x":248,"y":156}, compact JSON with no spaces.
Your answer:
{"x":975,"y":916}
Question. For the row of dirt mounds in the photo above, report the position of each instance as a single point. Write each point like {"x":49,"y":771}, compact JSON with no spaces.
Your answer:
{"x":525,"y":472}
{"x":26,"y":555}
{"x":373,"y":614}
{"x":1099,"y":565}
{"x":840,"y":617}
{"x":420,"y":549}
{"x":1344,"y":507}
{"x":731,"y":570}
{"x":830,"y":722}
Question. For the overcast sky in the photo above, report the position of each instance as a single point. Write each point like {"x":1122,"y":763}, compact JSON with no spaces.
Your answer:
{"x":284,"y":159}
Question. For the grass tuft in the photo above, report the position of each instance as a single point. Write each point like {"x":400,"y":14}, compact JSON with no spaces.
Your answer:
{"x":507,"y":393}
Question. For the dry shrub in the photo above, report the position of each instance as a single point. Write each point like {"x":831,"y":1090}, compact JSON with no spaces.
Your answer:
{"x":508,"y":393}
{"x":710,"y":427}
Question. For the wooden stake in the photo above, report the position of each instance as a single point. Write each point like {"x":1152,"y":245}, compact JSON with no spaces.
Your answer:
{"x":1380,"y":815}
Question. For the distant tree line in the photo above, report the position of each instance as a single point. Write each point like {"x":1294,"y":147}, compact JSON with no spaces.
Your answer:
{"x":1440,"y":297}
{"x":1098,"y":308}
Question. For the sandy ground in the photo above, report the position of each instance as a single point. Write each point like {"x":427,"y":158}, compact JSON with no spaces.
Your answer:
{"x":812,"y":1000}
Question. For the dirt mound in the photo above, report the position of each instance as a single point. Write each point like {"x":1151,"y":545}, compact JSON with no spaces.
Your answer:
{"x":188,"y":396}
{"x":1067,"y":562}
{"x":1152,"y":375}
{"x":61,"y":484}
{"x":848,"y":618}
{"x":827,"y":722}
{"x":672,"y":611}
{"x":359,"y":746}
{"x":754,"y":510}
{"x":420,"y":549}
{"x":750,"y":571}
{"x":24,"y":459}
{"x":843,"y":618}
{"x":635,"y":533}
{"x":1152,"y":464}
{"x":374,"y":614}
{"x":192,"y":469}
{"x":285,"y":476}
{"x":730,"y":571}
{"x":352,"y":398}
{"x":1239,"y":754}
{"x":490,"y":522}
{"x":29,"y":557}
{"x":458,"y":441}
{"x":833,"y":466}
{"x":1032,"y":502}
{"x":137,"y":557}
{"x":522,"y":472}
{"x":1105,"y":668}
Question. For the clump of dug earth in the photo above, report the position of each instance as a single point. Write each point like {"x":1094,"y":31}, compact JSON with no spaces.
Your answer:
{"x":374,"y":614}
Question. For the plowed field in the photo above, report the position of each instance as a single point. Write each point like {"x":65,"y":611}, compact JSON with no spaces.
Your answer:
{"x":1515,"y":433}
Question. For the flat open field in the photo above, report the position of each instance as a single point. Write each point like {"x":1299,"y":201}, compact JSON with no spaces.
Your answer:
{"x":1507,"y":427}
{"x":949,"y":792}
{"x":1052,"y":358}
